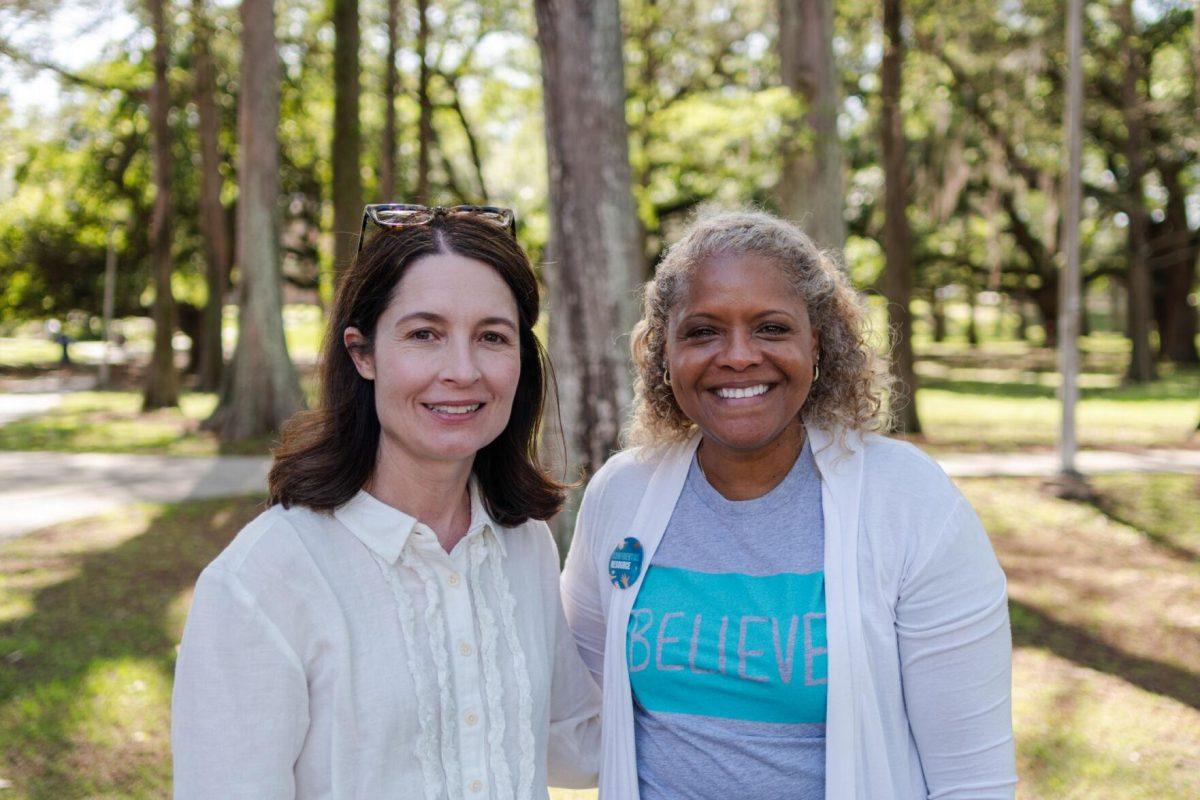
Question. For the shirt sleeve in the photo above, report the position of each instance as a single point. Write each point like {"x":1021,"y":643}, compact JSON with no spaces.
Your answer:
{"x":956,"y":664}
{"x":581,"y":588}
{"x":240,"y":706}
{"x":573,"y":752}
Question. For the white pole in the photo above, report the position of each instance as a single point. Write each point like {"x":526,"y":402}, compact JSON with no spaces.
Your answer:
{"x":110,"y":280}
{"x":1068,"y":288}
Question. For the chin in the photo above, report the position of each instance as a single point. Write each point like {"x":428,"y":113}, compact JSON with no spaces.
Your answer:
{"x":741,"y":441}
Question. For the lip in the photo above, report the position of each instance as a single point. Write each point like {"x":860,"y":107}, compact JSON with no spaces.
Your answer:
{"x":451,"y":418}
{"x":716,"y":389}
{"x":741,"y":385}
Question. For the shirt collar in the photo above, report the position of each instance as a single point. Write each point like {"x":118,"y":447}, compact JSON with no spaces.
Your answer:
{"x":386,"y":530}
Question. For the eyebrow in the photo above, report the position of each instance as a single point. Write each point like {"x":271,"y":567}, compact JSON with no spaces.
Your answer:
{"x":429,"y":316}
{"x":762,"y":314}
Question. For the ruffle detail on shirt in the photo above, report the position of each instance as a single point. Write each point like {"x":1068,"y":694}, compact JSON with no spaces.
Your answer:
{"x":493,"y":685}
{"x":508,"y":614}
{"x":437,"y":646}
{"x":426,"y":748}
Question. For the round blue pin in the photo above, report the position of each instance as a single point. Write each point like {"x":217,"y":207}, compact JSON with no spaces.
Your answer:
{"x":625,"y":564}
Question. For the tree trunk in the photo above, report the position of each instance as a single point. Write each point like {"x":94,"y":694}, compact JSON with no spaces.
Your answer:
{"x":261,"y":389}
{"x":1115,"y":312}
{"x":387,"y":159}
{"x":472,"y":142}
{"x":1141,"y":362}
{"x":1022,"y":309}
{"x":189,"y":319}
{"x":425,"y":104}
{"x":1174,"y":253}
{"x":347,"y":134}
{"x":897,"y":248}
{"x":212,"y":213}
{"x":972,"y":325}
{"x":162,"y":379}
{"x":937,"y":310}
{"x":1045,"y":297}
{"x":810,"y":184}
{"x":594,"y":239}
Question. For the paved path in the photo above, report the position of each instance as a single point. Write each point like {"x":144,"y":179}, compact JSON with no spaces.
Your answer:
{"x":15,"y":406}
{"x":26,"y":397}
{"x":40,"y":489}
{"x":22,"y":397}
{"x":1089,"y":462}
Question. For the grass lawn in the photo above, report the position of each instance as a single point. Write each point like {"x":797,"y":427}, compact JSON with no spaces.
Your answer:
{"x":1003,"y":396}
{"x":21,"y":352}
{"x":1104,"y":605}
{"x":113,"y":422}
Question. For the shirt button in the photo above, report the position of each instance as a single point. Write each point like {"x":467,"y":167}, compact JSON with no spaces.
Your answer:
{"x":476,"y":786}
{"x":454,"y":579}
{"x":464,"y":648}
{"x":471,"y":718}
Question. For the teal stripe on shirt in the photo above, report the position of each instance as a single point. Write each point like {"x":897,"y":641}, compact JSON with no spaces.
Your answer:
{"x":730,"y":645}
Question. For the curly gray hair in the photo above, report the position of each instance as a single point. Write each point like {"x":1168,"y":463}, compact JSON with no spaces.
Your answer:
{"x":854,"y":379}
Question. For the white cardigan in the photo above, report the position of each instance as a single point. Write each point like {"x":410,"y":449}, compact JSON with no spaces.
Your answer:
{"x":917,"y":615}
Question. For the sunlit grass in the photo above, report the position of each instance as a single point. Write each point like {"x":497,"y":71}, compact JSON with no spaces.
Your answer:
{"x":1082,"y":734}
{"x":28,"y":352}
{"x":953,"y":419}
{"x":88,"y":655}
{"x":1004,"y":396}
{"x":1103,"y":600}
{"x":113,"y":422}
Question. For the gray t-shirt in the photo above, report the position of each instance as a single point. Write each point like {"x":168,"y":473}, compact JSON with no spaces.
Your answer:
{"x":726,"y":646}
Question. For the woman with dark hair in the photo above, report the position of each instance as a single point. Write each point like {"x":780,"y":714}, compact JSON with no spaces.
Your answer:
{"x":391,"y":625}
{"x":779,"y":601}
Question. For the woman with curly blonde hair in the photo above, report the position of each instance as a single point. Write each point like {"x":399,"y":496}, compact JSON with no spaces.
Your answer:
{"x":778,"y":601}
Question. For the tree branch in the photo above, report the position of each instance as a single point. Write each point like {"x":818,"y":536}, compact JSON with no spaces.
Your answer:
{"x":7,"y":49}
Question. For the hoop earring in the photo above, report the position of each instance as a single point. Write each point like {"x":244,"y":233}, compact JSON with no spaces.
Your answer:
{"x":667,"y":377}
{"x":816,"y":371}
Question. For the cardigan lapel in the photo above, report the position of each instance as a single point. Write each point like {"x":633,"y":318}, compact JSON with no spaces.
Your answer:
{"x":840,"y":464}
{"x":618,"y":755}
{"x":853,"y":731}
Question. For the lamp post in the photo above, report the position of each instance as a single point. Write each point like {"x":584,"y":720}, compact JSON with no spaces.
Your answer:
{"x":1069,"y":481}
{"x":110,"y":280}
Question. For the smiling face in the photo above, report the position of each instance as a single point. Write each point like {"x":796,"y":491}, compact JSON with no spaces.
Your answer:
{"x":740,"y":351}
{"x":445,"y":361}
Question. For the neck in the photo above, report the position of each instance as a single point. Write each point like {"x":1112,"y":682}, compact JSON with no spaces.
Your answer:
{"x":434,"y":493}
{"x":745,"y":475}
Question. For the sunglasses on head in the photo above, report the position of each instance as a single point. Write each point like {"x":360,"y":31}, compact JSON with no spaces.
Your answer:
{"x":403,"y":215}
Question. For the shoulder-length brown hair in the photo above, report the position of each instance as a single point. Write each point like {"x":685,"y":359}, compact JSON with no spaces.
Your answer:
{"x":328,"y":454}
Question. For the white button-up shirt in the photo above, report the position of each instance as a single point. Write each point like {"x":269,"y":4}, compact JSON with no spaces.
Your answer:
{"x":347,"y":655}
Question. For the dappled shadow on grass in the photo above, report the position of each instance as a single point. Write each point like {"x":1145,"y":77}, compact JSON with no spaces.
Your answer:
{"x":256,"y":446}
{"x":1009,"y":389}
{"x":1163,"y":540}
{"x":1033,"y":627}
{"x":1021,"y":384}
{"x":1157,"y":514}
{"x":113,"y":607}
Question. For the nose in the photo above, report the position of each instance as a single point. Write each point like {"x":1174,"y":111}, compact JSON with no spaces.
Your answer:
{"x":740,"y":351}
{"x":459,"y":366}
